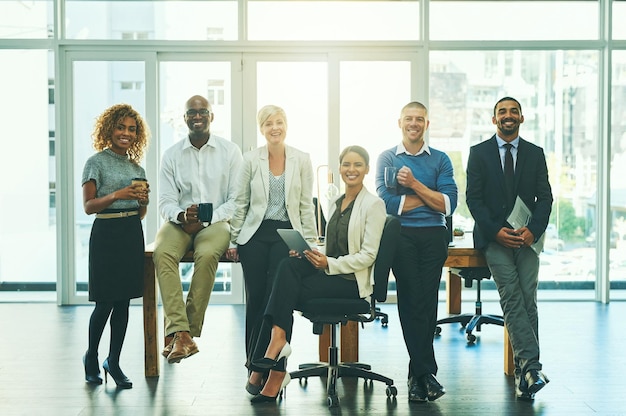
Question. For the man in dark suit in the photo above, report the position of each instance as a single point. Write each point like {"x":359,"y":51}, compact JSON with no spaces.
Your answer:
{"x":493,"y":184}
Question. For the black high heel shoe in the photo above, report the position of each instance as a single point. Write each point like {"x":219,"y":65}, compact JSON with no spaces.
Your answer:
{"x":118,"y":376}
{"x":261,"y":398}
{"x":253,"y":389}
{"x":268,"y":363}
{"x":92,"y":370}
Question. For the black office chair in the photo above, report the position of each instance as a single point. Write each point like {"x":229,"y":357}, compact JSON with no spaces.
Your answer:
{"x":339,"y":311}
{"x":380,"y":315}
{"x":467,"y":320}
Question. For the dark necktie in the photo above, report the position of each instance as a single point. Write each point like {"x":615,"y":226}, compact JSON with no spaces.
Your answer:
{"x":509,"y":173}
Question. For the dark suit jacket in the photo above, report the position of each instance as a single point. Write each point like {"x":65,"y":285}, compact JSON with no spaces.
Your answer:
{"x":486,"y":192}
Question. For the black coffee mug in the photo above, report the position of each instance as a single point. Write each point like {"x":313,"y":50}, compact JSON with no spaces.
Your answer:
{"x":205,"y":212}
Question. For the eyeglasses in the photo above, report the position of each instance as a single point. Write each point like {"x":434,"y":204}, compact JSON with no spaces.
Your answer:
{"x":203,"y":112}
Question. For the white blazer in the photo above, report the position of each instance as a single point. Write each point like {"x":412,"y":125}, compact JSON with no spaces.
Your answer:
{"x":365,"y":230}
{"x":253,"y":194}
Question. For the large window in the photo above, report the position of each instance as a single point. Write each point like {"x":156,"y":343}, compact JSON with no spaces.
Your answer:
{"x":558,"y":91}
{"x":148,"y":20}
{"x":285,"y":84}
{"x":333,"y":20}
{"x":26,"y":19}
{"x":27,"y":213}
{"x":342,"y":69}
{"x":90,"y":99}
{"x":617,"y":229}
{"x":513,"y":20}
{"x":178,"y":82}
{"x":363,"y":121}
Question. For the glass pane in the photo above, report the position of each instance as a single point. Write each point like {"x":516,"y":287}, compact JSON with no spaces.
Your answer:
{"x":165,"y":20}
{"x":27,"y":191}
{"x":558,"y":91}
{"x":395,"y":93}
{"x":178,"y":82}
{"x":26,"y":19}
{"x":617,"y":235}
{"x":333,"y":20}
{"x":509,"y":20}
{"x":181,"y":80}
{"x":284,"y":84}
{"x":619,"y":17}
{"x":90,"y":100}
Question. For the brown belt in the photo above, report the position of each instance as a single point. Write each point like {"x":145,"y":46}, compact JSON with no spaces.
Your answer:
{"x":110,"y":215}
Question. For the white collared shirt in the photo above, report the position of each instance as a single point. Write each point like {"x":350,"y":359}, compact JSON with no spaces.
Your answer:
{"x":190,"y":176}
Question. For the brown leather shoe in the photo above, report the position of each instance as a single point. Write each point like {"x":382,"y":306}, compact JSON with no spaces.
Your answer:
{"x":183,"y":347}
{"x":168,"y":348}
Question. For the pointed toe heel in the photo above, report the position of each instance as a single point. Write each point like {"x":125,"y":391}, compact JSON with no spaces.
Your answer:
{"x":253,"y":389}
{"x":92,"y":370}
{"x":117,"y":375}
{"x":261,"y":398}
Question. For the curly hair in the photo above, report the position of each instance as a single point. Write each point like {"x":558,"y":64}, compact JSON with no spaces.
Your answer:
{"x":107,"y":122}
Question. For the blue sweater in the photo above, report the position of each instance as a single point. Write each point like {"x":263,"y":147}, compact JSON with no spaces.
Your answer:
{"x":434,"y":170}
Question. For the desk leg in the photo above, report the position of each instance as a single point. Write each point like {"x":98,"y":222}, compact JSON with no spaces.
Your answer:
{"x":453,"y":293}
{"x":509,"y":365}
{"x":150,"y":331}
{"x":324,"y":344}
{"x":348,"y":343}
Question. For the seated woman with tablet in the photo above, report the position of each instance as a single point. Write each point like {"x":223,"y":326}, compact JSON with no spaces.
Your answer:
{"x":353,"y":233}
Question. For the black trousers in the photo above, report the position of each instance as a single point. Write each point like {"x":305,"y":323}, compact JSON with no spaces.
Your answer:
{"x":297,"y":281}
{"x":259,"y":258}
{"x":417,"y":267}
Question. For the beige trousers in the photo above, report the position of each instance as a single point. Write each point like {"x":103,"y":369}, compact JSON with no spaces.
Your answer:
{"x":171,"y":245}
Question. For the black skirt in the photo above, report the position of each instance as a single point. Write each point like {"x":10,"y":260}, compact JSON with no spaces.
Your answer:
{"x":116,"y":256}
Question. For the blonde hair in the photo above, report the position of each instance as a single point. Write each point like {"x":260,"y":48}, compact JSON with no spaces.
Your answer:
{"x":107,"y":122}
{"x":267,"y":111}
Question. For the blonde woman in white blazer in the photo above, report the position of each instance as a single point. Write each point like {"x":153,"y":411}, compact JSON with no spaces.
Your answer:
{"x":274,"y":191}
{"x":353,"y":233}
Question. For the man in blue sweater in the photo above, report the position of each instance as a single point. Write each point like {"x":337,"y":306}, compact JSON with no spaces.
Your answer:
{"x":423,"y":195}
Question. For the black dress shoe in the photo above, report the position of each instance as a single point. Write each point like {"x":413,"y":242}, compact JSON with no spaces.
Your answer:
{"x":417,"y":391}
{"x":536,"y":380}
{"x":521,"y":390}
{"x":433,"y":388}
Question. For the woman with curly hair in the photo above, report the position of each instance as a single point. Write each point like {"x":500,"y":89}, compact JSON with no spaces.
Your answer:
{"x":115,"y":189}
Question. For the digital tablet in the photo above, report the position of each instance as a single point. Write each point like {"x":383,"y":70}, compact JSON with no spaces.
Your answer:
{"x":294,"y":240}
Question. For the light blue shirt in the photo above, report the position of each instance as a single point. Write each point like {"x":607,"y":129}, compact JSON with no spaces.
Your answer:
{"x":425,"y":149}
{"x":502,"y":150}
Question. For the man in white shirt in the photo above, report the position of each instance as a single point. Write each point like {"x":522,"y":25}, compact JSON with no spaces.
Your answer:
{"x":202,"y":168}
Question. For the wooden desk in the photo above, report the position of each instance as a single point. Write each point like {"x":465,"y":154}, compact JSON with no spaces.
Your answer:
{"x":464,"y":255}
{"x":150,"y":329}
{"x":461,"y":255}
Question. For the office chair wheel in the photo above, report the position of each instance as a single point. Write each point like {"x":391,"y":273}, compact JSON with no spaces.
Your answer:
{"x":333,"y":401}
{"x":391,"y":391}
{"x":438,"y":330}
{"x":384,"y":321}
{"x":471,"y":338}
